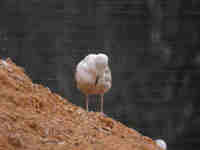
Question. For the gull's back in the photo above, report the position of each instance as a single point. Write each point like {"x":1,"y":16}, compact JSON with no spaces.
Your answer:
{"x":93,"y":75}
{"x":86,"y":75}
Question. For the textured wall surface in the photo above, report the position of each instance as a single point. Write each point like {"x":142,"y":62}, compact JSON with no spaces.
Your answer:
{"x":153,"y":47}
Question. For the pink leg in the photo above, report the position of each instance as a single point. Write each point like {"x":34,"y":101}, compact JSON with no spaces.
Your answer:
{"x":87,"y":99}
{"x":102,"y":103}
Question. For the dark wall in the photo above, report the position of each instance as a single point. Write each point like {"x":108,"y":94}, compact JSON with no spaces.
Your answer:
{"x":153,"y":46}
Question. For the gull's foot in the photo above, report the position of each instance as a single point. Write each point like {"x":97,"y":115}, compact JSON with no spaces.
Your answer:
{"x":89,"y":111}
{"x":103,"y":114}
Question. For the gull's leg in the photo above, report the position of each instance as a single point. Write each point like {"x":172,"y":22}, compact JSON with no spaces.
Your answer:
{"x":102,"y":103}
{"x":86,"y":102}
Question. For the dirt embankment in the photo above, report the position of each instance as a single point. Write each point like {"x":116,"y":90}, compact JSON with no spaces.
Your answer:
{"x":34,"y":118}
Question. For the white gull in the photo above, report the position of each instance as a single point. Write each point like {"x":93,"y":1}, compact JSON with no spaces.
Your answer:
{"x":161,"y":143}
{"x":93,"y":76}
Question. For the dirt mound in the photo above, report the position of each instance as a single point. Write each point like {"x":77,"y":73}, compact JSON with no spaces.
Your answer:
{"x":34,"y":118}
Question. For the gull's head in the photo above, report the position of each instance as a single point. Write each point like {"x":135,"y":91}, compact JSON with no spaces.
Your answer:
{"x":101,"y":60}
{"x":161,"y":143}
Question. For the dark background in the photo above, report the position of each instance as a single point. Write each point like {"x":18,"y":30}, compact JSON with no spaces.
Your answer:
{"x":153,"y":46}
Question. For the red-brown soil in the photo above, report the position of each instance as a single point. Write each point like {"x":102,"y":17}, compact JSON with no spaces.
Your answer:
{"x":34,"y":118}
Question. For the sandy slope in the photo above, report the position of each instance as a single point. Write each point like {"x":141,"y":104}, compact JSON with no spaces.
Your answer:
{"x":34,"y":118}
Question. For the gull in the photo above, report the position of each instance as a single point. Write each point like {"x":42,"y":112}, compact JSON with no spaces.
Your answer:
{"x":4,"y":63}
{"x":161,"y":143}
{"x":93,"y":76}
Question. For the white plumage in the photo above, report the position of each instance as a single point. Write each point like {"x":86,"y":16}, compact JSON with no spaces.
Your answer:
{"x":4,"y":63}
{"x":93,"y":76}
{"x":161,"y":143}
